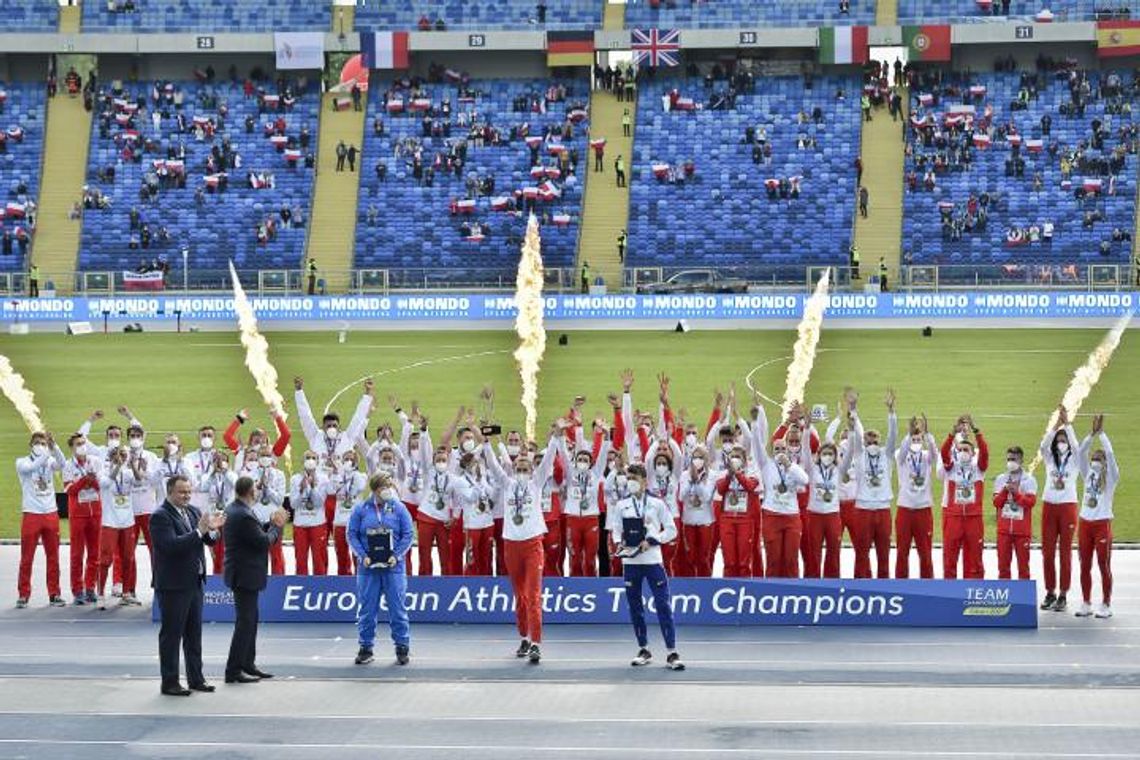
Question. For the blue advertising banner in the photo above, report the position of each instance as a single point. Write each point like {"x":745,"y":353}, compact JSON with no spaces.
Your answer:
{"x":447,"y":307}
{"x":696,"y":601}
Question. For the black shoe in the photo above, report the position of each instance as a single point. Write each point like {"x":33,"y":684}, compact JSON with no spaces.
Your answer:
{"x":1050,"y":598}
{"x":242,"y":678}
{"x":1060,"y":604}
{"x":523,"y":650}
{"x":258,"y":673}
{"x":205,"y":688}
{"x":364,"y":656}
{"x":673,"y":662}
{"x":57,"y":601}
{"x":534,"y":655}
{"x":402,"y":655}
{"x":22,"y":603}
{"x":175,"y":691}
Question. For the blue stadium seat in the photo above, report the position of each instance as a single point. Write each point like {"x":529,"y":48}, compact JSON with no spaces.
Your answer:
{"x":485,"y":14}
{"x":224,"y":225}
{"x":698,"y":14}
{"x":24,"y":108}
{"x":209,"y":16}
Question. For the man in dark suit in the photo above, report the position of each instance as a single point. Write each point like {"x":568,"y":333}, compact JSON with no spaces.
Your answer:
{"x":247,"y":555}
{"x":178,"y":533}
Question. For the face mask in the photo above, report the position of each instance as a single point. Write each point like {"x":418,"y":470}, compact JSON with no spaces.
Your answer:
{"x":265,"y":461}
{"x":662,"y":470}
{"x":512,"y":450}
{"x":874,"y":449}
{"x":332,"y":431}
{"x":826,"y":459}
{"x":387,"y":494}
{"x":1096,"y":465}
{"x":1062,"y":446}
{"x":634,"y":487}
{"x":699,"y":463}
{"x":522,"y":477}
{"x":386,"y":468}
{"x":206,"y":442}
{"x":136,"y":443}
{"x":468,"y":445}
{"x":1012,"y":465}
{"x":310,"y":464}
{"x":726,"y":446}
{"x":736,"y":462}
{"x":171,"y":449}
{"x":39,"y":449}
{"x":581,"y":466}
{"x":441,"y":466}
{"x":691,"y":440}
{"x":113,"y":443}
{"x":350,"y":466}
{"x":916,"y":447}
{"x":965,"y":457}
{"x":81,"y":450}
{"x":621,"y":481}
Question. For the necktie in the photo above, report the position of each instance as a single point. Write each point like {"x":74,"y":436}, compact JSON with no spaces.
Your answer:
{"x":201,"y":560}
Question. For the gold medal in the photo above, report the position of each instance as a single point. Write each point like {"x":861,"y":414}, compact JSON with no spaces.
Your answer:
{"x":1092,"y":502}
{"x":919,"y":481}
{"x":846,"y":477}
{"x":826,"y":496}
{"x":517,"y":519}
{"x":875,"y":481}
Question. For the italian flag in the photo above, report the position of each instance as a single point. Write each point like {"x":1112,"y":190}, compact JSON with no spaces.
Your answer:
{"x":843,"y":44}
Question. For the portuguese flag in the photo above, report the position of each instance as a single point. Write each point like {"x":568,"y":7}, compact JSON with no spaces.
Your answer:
{"x":843,"y":44}
{"x":927,"y":43}
{"x":1117,"y":38}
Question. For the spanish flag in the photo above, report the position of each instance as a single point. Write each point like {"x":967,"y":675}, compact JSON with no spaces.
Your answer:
{"x":1117,"y":38}
{"x":570,"y":48}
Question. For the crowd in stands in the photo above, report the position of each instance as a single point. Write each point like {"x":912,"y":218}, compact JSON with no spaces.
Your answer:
{"x":427,"y":16}
{"x":698,"y":14}
{"x":22,"y":112}
{"x":204,"y":16}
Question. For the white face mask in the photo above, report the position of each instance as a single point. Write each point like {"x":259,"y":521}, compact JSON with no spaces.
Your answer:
{"x":350,"y":466}
{"x":206,"y":442}
{"x":1012,"y":465}
{"x":332,"y":431}
{"x":171,"y":449}
{"x":621,"y":481}
{"x":81,"y":450}
{"x":136,"y":443}
{"x":387,"y":494}
{"x":310,"y":464}
{"x":965,"y":457}
{"x":874,"y":449}
{"x":265,"y":461}
{"x":113,"y":443}
{"x":512,"y":450}
{"x":1062,"y":446}
{"x":826,"y":459}
{"x":736,"y":462}
{"x":691,"y":440}
{"x":916,"y":447}
{"x":468,"y":445}
{"x":39,"y":449}
{"x":1096,"y":466}
{"x":386,"y":467}
{"x":522,"y":477}
{"x":634,"y":487}
{"x":441,"y":466}
{"x":726,"y":446}
{"x":662,"y":470}
{"x":581,"y":466}
{"x":699,"y":463}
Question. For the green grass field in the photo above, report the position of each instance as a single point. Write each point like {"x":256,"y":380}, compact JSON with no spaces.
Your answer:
{"x":1008,"y":379}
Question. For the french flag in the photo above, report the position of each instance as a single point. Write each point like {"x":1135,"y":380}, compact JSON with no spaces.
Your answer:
{"x":384,"y":50}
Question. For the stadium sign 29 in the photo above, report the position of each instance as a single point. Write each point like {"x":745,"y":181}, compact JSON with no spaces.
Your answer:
{"x":571,"y":307}
{"x":695,"y":601}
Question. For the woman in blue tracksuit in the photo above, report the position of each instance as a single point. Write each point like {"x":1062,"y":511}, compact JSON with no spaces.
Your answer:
{"x":382,"y":516}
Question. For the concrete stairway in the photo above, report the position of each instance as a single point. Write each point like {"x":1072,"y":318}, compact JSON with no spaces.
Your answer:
{"x":880,"y":234}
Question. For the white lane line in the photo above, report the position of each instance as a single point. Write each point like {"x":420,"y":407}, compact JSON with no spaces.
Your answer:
{"x":413,"y":365}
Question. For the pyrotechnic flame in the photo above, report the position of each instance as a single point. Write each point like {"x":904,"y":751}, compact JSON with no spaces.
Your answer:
{"x":528,"y":323}
{"x":803,"y":354}
{"x":12,"y":383}
{"x":257,"y":352}
{"x":1086,"y":376}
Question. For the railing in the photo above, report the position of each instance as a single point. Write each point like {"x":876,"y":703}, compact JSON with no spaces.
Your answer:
{"x":1015,"y":276}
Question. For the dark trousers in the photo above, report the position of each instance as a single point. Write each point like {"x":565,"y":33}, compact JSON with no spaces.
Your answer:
{"x":243,"y":645}
{"x":635,"y":577}
{"x":603,"y":547}
{"x":181,"y":623}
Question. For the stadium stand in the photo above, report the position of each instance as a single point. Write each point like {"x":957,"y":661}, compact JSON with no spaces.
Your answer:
{"x":30,"y":15}
{"x":684,"y":14}
{"x":22,"y":108}
{"x":487,"y":14}
{"x":206,"y":16}
{"x":739,"y":208}
{"x":1032,"y":183}
{"x":215,"y":213}
{"x":975,"y":11}
{"x":454,"y":222}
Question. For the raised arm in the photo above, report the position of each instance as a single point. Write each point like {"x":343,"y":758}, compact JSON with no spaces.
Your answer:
{"x":493,"y":465}
{"x":600,"y":460}
{"x":305,"y":415}
{"x":1109,"y":457}
{"x":284,"y":434}
{"x":359,"y":422}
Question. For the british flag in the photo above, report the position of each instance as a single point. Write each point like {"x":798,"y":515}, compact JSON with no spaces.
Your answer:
{"x":656,"y":47}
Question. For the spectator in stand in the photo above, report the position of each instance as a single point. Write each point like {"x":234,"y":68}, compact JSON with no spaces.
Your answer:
{"x":351,"y":155}
{"x":341,"y":154}
{"x":619,"y":170}
{"x":599,"y":154}
{"x":858,"y":170}
{"x":864,"y":196}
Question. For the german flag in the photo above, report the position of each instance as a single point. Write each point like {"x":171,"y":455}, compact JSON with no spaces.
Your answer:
{"x":1117,"y":38}
{"x":570,"y":48}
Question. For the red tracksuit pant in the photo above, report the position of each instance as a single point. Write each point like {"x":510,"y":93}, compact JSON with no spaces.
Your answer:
{"x":965,"y":536}
{"x":524,"y":566}
{"x":311,"y":542}
{"x":872,"y":530}
{"x":1058,"y":523}
{"x":477,"y":553}
{"x":500,"y":560}
{"x":277,"y":558}
{"x":671,"y":555}
{"x":84,"y":532}
{"x":782,"y":534}
{"x":914,"y":526}
{"x":582,"y":538}
{"x":1008,"y":546}
{"x":116,"y":545}
{"x":825,"y":540}
{"x":455,"y":545}
{"x":433,"y":532}
{"x":1095,"y":537}
{"x":698,"y":550}
{"x":847,"y":517}
{"x":344,"y":563}
{"x":36,"y":530}
{"x":552,"y":548}
{"x":736,"y":535}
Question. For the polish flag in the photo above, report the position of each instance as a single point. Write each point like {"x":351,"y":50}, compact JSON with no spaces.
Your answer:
{"x":562,"y":220}
{"x":981,"y":141}
{"x":1034,"y":146}
{"x":1092,"y":185}
{"x":500,"y":203}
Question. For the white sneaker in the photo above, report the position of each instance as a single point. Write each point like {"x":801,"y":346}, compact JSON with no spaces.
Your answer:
{"x":101,"y":603}
{"x":643,"y":657}
{"x":117,"y":589}
{"x":1104,"y":611}
{"x":1085,"y":610}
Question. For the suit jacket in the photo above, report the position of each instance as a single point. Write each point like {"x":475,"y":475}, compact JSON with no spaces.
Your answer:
{"x":179,"y":558}
{"x":247,"y":547}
